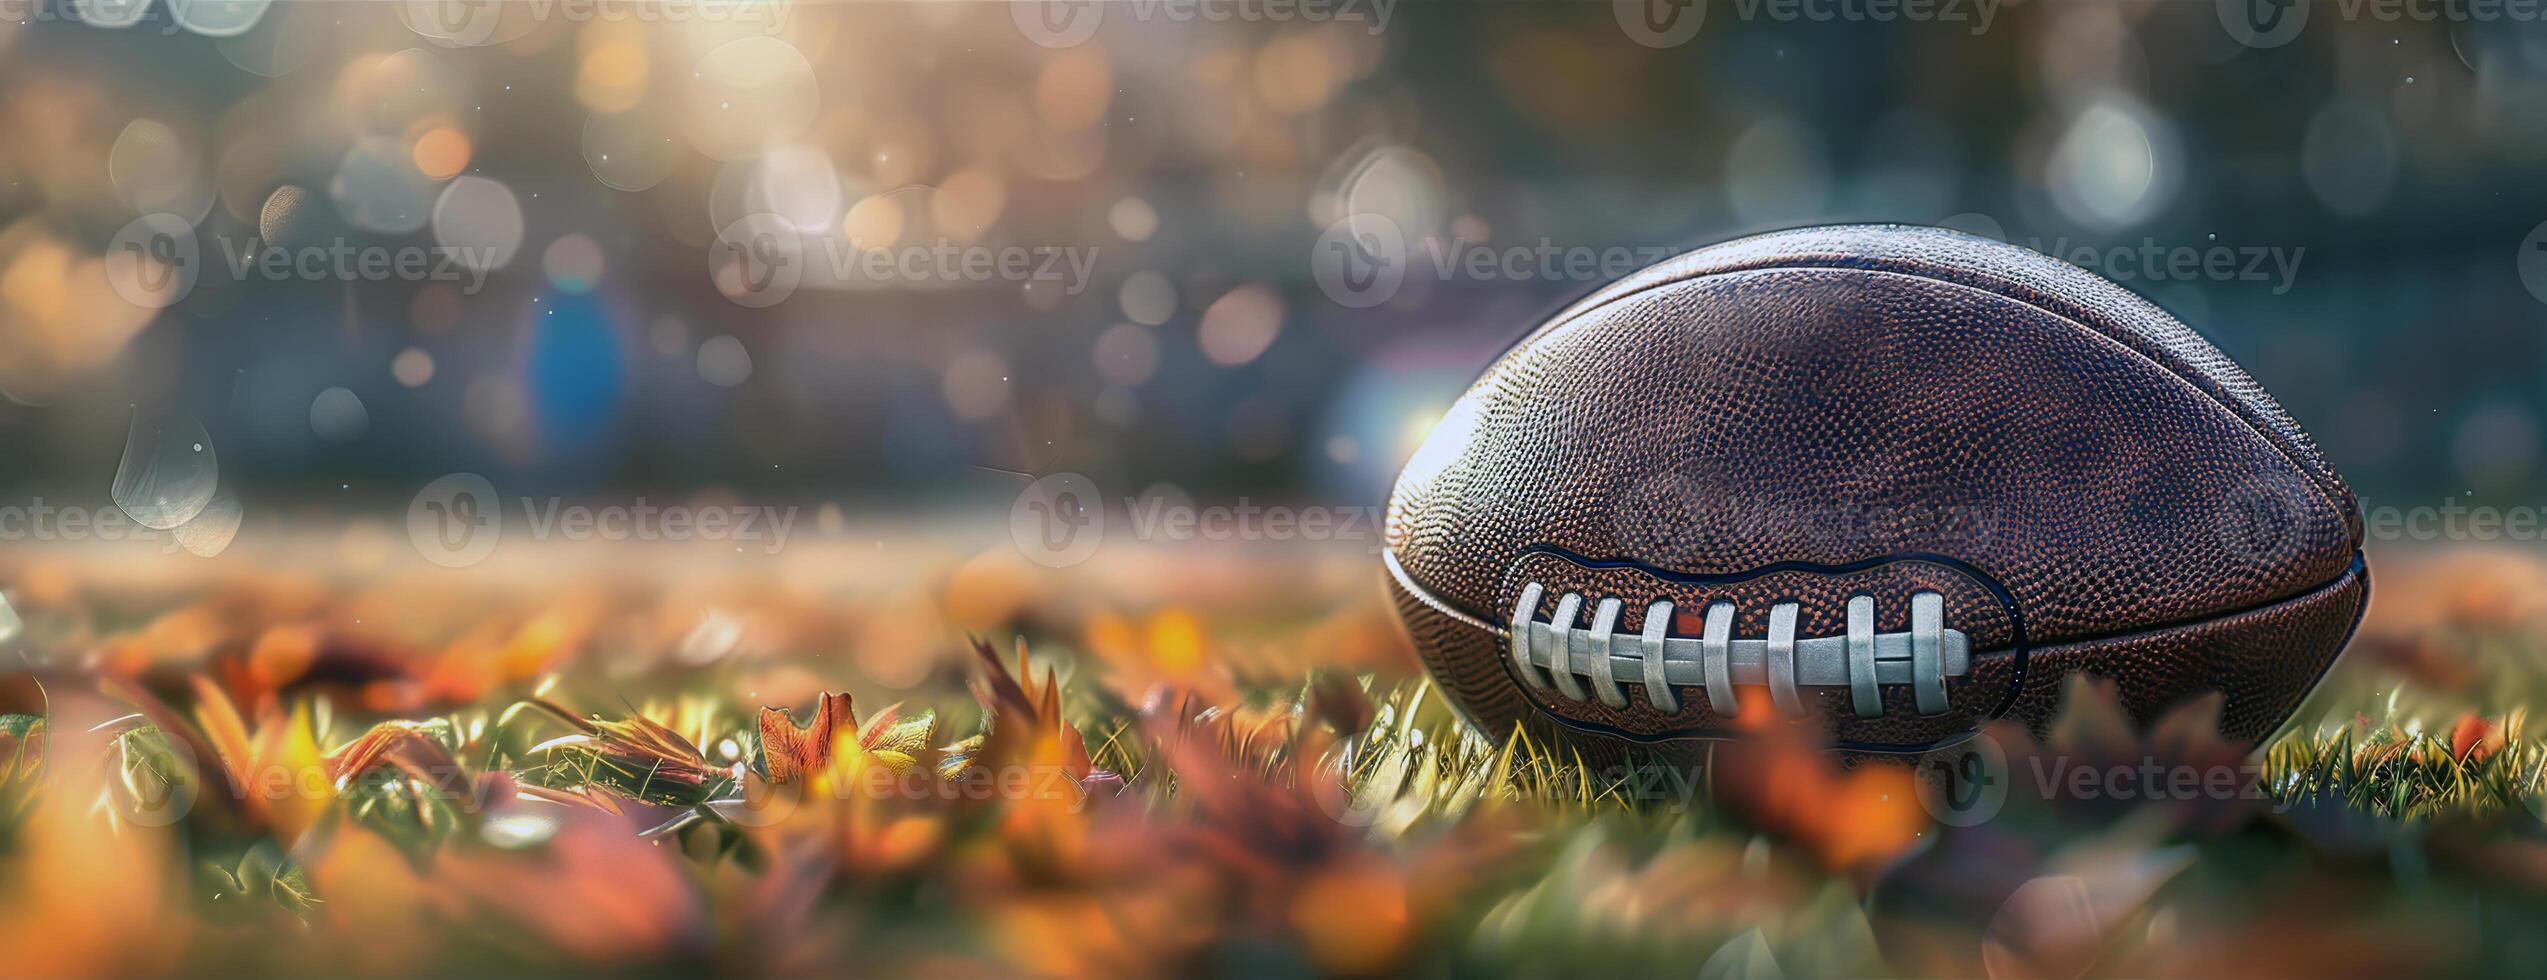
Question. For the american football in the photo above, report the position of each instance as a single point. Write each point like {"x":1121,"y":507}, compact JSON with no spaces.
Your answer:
{"x":1892,"y":481}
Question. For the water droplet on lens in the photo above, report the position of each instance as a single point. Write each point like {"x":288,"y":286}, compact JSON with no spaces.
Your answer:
{"x":212,"y":529}
{"x":111,"y":14}
{"x":627,"y":151}
{"x":337,"y":415}
{"x":169,"y":470}
{"x":218,"y":18}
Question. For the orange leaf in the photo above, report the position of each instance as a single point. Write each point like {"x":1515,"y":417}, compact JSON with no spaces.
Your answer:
{"x":222,"y":726}
{"x":282,"y":654}
{"x":2474,"y":738}
{"x":791,"y":750}
{"x":1025,"y":716}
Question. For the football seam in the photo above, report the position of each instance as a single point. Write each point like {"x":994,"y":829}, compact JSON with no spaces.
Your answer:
{"x":2359,"y":566}
{"x":2358,"y":571}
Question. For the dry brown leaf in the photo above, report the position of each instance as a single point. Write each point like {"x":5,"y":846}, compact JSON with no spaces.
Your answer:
{"x":793,"y":751}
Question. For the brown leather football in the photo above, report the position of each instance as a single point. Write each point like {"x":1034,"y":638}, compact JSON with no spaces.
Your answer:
{"x":1890,"y":482}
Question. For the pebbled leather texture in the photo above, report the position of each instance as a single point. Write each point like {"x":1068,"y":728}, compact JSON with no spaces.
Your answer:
{"x":1836,"y":395}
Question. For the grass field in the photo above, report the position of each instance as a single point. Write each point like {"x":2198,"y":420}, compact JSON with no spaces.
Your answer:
{"x":1155,"y":762}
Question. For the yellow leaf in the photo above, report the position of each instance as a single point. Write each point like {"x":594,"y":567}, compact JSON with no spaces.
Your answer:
{"x":292,"y":787}
{"x":908,"y":738}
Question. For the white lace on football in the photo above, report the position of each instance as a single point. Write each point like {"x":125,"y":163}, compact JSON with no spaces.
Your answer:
{"x":1560,"y":654}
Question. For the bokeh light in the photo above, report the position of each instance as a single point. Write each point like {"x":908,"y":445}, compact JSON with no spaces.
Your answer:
{"x":748,"y":94}
{"x":574,"y":262}
{"x":1126,"y":355}
{"x":157,"y":169}
{"x":1240,"y":325}
{"x":1148,"y":298}
{"x":2115,"y":164}
{"x":412,"y":367}
{"x":724,"y":362}
{"x":378,"y":187}
{"x":480,"y":220}
{"x":629,"y":151}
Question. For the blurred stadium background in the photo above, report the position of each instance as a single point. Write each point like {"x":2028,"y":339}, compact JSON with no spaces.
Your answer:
{"x":2367,"y":177}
